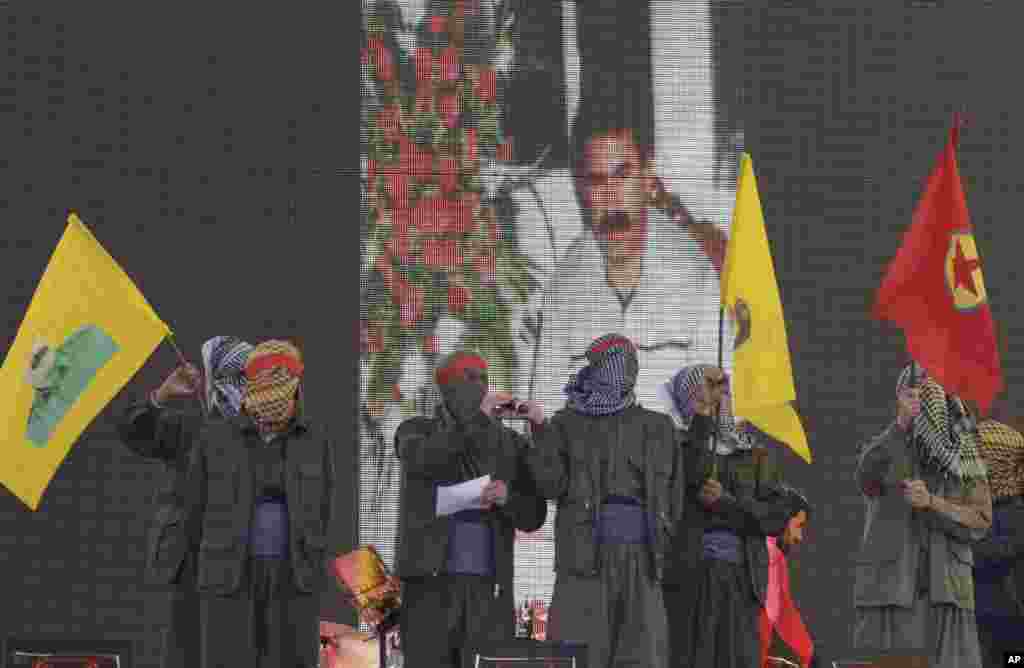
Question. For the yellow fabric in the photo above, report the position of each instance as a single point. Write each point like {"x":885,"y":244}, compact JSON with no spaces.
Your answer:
{"x":762,"y":379}
{"x":270,"y":397}
{"x":82,"y":290}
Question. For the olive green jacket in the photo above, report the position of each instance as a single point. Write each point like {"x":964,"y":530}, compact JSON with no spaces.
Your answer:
{"x":566,"y":464}
{"x":886,"y":567}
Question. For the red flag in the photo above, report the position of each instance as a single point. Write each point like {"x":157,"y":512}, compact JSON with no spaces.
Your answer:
{"x":934,"y":290}
{"x":780,"y":613}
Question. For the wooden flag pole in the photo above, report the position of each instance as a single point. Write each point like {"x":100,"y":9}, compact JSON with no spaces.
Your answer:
{"x":184,"y":362}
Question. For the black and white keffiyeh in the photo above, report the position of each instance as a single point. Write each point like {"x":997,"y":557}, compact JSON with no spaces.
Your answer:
{"x":224,"y":360}
{"x":606,"y":385}
{"x":681,"y":392}
{"x":944,"y":432}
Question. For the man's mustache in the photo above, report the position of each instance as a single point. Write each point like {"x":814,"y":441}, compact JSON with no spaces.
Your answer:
{"x":614,"y":219}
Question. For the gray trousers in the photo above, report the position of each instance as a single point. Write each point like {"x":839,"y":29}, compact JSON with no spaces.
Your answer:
{"x":445,"y":616}
{"x":946,"y":632}
{"x":267,"y":624}
{"x":180,"y":639}
{"x":619,"y":613}
{"x":714,"y":618}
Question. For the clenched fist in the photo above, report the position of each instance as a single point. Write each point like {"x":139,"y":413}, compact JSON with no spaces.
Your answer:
{"x":494,"y":494}
{"x":184,"y":381}
{"x":710,"y":393}
{"x":711,"y":493}
{"x":916,"y":493}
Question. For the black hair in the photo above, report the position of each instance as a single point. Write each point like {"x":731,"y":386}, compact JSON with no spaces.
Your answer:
{"x":796,"y":500}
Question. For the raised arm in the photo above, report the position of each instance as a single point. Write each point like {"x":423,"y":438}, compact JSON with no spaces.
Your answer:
{"x":157,"y":433}
{"x":713,"y":241}
{"x":152,"y":431}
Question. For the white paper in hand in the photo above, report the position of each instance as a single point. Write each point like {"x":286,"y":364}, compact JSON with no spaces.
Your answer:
{"x":463,"y":496}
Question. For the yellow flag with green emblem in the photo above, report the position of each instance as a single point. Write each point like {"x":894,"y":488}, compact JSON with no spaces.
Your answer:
{"x":762,"y":377}
{"x":87,"y":331}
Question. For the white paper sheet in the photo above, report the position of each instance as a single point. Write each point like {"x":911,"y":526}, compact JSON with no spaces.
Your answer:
{"x":463,"y":496}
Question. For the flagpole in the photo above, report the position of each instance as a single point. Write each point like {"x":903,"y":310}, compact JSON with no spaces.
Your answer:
{"x":184,"y":362}
{"x":718,"y":406}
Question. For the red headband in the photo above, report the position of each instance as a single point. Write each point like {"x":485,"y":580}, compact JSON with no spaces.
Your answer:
{"x":265,"y":362}
{"x":611,"y":343}
{"x":454,"y":370}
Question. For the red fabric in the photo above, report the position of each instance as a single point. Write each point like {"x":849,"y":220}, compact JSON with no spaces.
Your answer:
{"x":605,"y":345}
{"x":264,"y":362}
{"x":460,"y":364}
{"x":787,"y":623}
{"x":955,"y":344}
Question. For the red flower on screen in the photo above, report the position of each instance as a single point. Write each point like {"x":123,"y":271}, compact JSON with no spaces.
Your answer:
{"x":398,"y":246}
{"x":450,"y":66}
{"x":409,"y":300}
{"x":385,"y":64}
{"x":471,"y":146}
{"x":449,"y":175}
{"x":460,"y":220}
{"x":458,"y":298}
{"x":427,"y":215}
{"x":424,"y":60}
{"x":398,"y":189}
{"x":448,"y":107}
{"x":487,"y":85}
{"x":440,"y":253}
{"x":423,"y":165}
{"x":389,"y":121}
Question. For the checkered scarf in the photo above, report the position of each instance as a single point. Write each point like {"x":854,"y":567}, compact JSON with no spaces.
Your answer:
{"x":1003,"y":450}
{"x":271,"y":396}
{"x":224,"y":373}
{"x":682,"y":391}
{"x":605,"y":385}
{"x":944,"y":433}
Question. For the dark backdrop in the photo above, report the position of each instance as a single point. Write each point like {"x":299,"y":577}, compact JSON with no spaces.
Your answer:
{"x":182,"y":134}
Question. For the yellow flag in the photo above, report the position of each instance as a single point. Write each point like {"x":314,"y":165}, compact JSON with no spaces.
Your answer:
{"x":762,"y":383}
{"x":87,"y":331}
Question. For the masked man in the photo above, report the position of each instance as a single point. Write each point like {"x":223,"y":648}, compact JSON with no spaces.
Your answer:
{"x":714,"y":605}
{"x":456,"y":570}
{"x":615,"y":469}
{"x":174,"y":537}
{"x":999,"y":559}
{"x":780,"y":618}
{"x":262,"y":485}
{"x":926,"y":491}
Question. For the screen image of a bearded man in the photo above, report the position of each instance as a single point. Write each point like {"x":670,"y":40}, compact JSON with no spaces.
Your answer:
{"x":273,"y":371}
